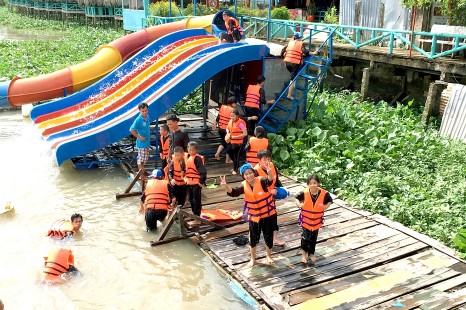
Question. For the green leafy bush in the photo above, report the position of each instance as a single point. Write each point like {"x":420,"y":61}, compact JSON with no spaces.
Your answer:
{"x":382,"y":159}
{"x":280,"y":13}
{"x":162,"y":8}
{"x":331,"y":16}
{"x":204,"y":10}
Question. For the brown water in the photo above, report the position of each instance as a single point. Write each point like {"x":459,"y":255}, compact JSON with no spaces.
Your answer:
{"x":120,"y":269}
{"x":28,"y":34}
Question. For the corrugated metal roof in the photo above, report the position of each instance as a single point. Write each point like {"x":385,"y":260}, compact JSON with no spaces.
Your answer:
{"x":454,"y":118}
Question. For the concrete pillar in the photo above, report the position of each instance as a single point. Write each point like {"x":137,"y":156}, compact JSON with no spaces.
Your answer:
{"x":433,"y":100}
{"x":366,"y":72}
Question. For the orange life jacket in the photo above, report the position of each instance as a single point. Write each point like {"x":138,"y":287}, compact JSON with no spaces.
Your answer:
{"x":236,"y":25}
{"x":256,"y":145}
{"x":263,"y":173}
{"x":253,"y":96}
{"x":57,"y":262}
{"x":157,"y":196}
{"x":60,"y":229}
{"x":257,"y":203}
{"x":224,"y":116}
{"x":164,"y":147}
{"x":192,"y":175}
{"x":312,"y":215}
{"x":234,"y":130}
{"x":294,"y":52}
{"x":178,"y":175}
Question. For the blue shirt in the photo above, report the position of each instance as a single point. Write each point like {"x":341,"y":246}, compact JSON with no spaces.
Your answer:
{"x":142,"y":127}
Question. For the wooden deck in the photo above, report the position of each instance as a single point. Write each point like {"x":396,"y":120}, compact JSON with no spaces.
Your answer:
{"x":364,"y":261}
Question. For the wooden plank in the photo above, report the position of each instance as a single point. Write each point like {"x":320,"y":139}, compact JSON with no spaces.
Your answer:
{"x":341,"y":268}
{"x":420,"y":297}
{"x":398,"y":275}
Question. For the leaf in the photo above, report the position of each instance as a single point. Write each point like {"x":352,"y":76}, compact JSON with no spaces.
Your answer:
{"x":333,"y":139}
{"x":316,"y":131}
{"x":284,"y":155}
{"x":291,"y":131}
{"x":374,"y":141}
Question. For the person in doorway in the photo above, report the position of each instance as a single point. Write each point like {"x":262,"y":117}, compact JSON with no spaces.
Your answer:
{"x":196,"y":176}
{"x":234,"y":32}
{"x":236,"y":131}
{"x":293,"y":55}
{"x":156,"y":200}
{"x":255,"y":144}
{"x":177,"y":136}
{"x":57,"y":263}
{"x":261,"y":167}
{"x":176,"y":177}
{"x":259,"y":207}
{"x":313,"y":202}
{"x":255,"y":98}
{"x":141,"y":130}
{"x":221,"y":124}
{"x":164,"y":147}
{"x":63,"y":228}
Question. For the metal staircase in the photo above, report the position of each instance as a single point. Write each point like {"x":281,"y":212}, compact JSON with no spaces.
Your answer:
{"x":307,"y":82}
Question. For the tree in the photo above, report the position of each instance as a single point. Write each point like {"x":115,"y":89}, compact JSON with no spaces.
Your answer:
{"x":456,"y":9}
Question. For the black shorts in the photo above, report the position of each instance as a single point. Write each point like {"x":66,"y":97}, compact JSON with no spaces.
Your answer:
{"x":266,"y":226}
{"x":222,"y":133}
{"x":274,"y":219}
{"x":293,"y":69}
{"x":152,"y":216}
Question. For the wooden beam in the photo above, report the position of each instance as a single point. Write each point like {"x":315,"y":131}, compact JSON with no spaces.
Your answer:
{"x":130,"y":186}
{"x":166,"y":228}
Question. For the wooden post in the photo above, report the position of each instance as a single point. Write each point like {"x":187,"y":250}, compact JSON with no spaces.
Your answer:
{"x":366,"y":73}
{"x":381,"y":21}
{"x":181,"y":219}
{"x":433,"y":100}
{"x":130,"y":186}
{"x":357,"y":17}
{"x":167,"y":226}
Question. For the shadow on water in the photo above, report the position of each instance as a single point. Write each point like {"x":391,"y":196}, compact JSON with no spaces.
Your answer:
{"x":11,"y":34}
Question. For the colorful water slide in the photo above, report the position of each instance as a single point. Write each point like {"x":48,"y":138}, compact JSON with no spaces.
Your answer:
{"x":106,"y":115}
{"x":108,"y":57}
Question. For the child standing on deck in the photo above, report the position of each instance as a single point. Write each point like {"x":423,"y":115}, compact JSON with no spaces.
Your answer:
{"x":313,"y":202}
{"x":264,"y":157}
{"x":176,"y":176}
{"x":236,"y":131}
{"x":141,"y":130}
{"x":196,"y":175}
{"x":259,"y":207}
{"x":257,"y":143}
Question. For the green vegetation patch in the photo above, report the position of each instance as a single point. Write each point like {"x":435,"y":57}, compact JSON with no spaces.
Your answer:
{"x":30,"y":58}
{"x":382,"y":159}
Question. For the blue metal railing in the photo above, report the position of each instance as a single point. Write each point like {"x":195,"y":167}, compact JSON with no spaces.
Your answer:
{"x":359,"y":37}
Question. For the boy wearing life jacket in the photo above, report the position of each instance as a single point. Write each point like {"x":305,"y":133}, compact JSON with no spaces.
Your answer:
{"x":255,"y":144}
{"x":255,"y":98}
{"x":164,"y":144}
{"x":63,"y":228}
{"x":196,"y":176}
{"x":265,"y":163}
{"x":236,"y":131}
{"x":57,"y":263}
{"x":259,"y":206}
{"x":156,"y":200}
{"x":223,"y":118}
{"x":313,"y":202}
{"x":176,"y":177}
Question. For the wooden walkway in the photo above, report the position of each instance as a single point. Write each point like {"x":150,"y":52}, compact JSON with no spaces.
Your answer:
{"x":364,"y":261}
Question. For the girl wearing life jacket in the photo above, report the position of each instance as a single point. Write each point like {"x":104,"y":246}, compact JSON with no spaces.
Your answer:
{"x":176,"y":177}
{"x":255,"y":98}
{"x":265,"y":163}
{"x":156,"y":200}
{"x":259,"y":207}
{"x":236,"y":131}
{"x":63,"y":228}
{"x":234,"y":31}
{"x":196,"y":175}
{"x":57,"y":263}
{"x":255,"y":144}
{"x":223,"y":118}
{"x":313,"y":202}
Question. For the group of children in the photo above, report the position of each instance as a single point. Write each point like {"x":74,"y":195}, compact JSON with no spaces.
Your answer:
{"x":184,"y":174}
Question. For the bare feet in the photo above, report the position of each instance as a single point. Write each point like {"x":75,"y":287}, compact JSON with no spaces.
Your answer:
{"x":233,"y":172}
{"x":269,"y":260}
{"x":313,"y":258}
{"x":228,"y":161}
{"x":290,"y":97}
{"x":278,"y":243}
{"x":303,"y":259}
{"x":251,"y":263}
{"x":217,"y":156}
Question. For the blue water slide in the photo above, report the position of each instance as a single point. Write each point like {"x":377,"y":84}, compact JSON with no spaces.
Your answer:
{"x":161,"y":96}
{"x":126,"y":68}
